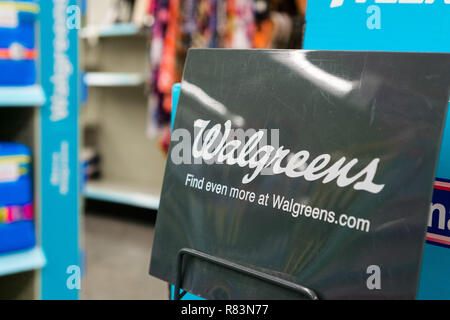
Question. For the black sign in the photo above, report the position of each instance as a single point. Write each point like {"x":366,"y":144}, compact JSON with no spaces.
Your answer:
{"x":315,"y":167}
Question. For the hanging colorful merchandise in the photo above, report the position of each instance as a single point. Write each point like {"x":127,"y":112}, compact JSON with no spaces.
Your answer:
{"x":239,"y":24}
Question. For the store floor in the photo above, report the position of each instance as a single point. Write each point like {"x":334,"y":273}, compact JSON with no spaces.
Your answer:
{"x":118,"y":242}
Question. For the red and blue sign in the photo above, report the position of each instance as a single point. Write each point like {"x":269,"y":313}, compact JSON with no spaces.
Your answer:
{"x":439,"y":222}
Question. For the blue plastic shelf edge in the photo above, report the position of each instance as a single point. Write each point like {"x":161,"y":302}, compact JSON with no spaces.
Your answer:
{"x":27,"y":96}
{"x":27,"y":260}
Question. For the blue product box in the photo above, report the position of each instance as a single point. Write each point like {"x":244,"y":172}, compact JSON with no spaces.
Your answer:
{"x":17,"y":236}
{"x":17,"y":42}
{"x":15,"y":174}
{"x":15,"y":190}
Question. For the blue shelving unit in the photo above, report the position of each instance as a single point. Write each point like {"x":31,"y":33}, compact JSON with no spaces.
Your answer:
{"x":59,"y":158}
{"x":53,"y":135}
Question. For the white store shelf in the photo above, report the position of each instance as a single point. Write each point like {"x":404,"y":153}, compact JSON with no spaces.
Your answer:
{"x":113,"y":30}
{"x":136,"y":195}
{"x":110,"y":79}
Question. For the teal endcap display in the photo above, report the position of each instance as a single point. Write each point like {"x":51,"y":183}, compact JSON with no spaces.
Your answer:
{"x":60,"y":197}
{"x":187,"y":296}
{"x":176,"y":89}
{"x":392,"y":27}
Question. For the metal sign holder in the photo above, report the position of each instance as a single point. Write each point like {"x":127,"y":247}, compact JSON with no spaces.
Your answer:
{"x":307,"y":292}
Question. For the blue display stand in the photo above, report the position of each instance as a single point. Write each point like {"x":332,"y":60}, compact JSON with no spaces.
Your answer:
{"x":408,"y":27}
{"x":60,"y":202}
{"x":176,"y":90}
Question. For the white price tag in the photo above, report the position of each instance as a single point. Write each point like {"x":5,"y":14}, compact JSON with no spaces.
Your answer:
{"x":9,"y":18}
{"x":9,"y":172}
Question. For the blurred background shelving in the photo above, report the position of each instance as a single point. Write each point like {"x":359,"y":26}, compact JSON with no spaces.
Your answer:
{"x":113,"y":79}
{"x":112,"y":30}
{"x":115,"y":112}
{"x":142,"y":196}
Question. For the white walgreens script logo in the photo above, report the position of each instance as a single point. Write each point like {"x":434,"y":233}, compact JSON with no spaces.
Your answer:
{"x":213,"y":146}
{"x":338,"y":3}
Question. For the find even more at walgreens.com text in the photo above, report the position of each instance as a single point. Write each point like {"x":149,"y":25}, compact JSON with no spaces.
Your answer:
{"x":278,"y":203}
